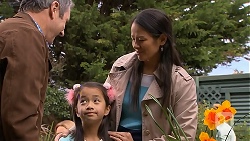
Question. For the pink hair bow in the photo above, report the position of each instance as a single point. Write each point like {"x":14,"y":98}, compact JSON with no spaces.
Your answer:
{"x":110,"y":91}
{"x":70,"y":94}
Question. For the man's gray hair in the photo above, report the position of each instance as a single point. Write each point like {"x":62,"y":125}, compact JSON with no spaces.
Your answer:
{"x":39,"y":5}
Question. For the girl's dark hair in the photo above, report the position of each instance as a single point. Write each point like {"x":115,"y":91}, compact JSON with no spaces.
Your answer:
{"x":156,"y":23}
{"x":105,"y":124}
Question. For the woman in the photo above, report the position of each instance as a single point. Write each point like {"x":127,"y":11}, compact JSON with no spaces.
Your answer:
{"x":154,"y":68}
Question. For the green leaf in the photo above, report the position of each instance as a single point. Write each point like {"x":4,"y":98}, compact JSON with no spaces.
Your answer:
{"x":150,"y":112}
{"x":176,"y":135}
{"x":175,"y":131}
{"x":162,"y":131}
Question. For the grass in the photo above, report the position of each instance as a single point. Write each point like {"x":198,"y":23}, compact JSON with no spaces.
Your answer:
{"x":47,"y":133}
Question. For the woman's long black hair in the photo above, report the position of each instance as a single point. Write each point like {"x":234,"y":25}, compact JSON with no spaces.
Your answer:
{"x":104,"y":127}
{"x":156,"y":23}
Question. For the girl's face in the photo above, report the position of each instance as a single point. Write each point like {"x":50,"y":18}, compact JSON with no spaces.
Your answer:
{"x":91,"y":105}
{"x":146,"y":46}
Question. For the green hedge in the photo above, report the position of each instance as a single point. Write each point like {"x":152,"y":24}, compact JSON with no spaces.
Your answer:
{"x":56,"y":107}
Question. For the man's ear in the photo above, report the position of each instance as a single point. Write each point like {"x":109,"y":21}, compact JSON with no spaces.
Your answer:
{"x":54,"y":8}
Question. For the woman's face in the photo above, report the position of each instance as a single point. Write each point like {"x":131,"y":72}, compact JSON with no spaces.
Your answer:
{"x":146,"y":46}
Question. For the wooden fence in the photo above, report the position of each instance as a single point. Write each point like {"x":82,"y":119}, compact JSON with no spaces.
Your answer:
{"x":235,"y":88}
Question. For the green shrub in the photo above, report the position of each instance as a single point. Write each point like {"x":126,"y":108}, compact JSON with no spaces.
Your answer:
{"x":242,"y":131}
{"x":200,"y":126}
{"x":56,"y":107}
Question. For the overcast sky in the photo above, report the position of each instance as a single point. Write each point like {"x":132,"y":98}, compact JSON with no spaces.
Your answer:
{"x":242,"y":65}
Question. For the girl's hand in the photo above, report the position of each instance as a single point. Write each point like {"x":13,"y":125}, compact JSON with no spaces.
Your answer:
{"x":63,"y":132}
{"x":120,"y":136}
{"x":59,"y":135}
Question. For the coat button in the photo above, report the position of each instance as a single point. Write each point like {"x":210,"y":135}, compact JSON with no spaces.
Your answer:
{"x":146,"y":132}
{"x":145,"y":113}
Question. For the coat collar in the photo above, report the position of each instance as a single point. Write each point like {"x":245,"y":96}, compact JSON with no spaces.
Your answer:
{"x":29,"y":19}
{"x":25,"y":16}
{"x":127,"y":61}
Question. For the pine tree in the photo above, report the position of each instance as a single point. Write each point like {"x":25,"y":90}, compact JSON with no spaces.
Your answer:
{"x":207,"y":33}
{"x":6,"y":10}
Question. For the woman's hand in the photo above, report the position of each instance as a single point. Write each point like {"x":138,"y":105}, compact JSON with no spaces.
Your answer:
{"x":120,"y":136}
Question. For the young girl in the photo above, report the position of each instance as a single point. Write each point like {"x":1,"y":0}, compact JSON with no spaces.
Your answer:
{"x":91,"y":104}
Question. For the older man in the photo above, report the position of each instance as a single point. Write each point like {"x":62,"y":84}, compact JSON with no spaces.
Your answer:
{"x":24,"y":65}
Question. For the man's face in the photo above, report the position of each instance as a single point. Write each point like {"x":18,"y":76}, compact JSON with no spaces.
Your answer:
{"x":57,"y":24}
{"x":62,"y":22}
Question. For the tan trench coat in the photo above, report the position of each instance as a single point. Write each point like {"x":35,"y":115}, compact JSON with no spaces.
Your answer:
{"x":183,"y":100}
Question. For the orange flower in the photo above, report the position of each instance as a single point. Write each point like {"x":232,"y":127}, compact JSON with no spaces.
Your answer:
{"x":205,"y":137}
{"x":212,"y":118}
{"x":226,"y":110}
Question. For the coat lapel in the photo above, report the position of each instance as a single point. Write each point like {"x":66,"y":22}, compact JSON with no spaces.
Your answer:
{"x":119,"y":80}
{"x":154,"y":90}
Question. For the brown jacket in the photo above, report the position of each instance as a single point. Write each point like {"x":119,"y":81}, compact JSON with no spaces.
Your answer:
{"x":24,"y":69}
{"x":183,"y":100}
